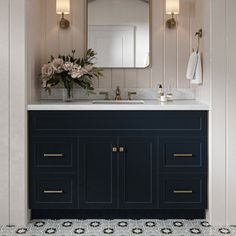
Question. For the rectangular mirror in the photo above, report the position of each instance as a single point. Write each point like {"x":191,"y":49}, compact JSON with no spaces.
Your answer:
{"x":119,"y":31}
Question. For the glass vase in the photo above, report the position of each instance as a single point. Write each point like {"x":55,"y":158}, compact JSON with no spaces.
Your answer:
{"x":68,"y":94}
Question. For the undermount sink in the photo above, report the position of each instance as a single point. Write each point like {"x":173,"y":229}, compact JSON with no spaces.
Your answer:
{"x":112,"y":102}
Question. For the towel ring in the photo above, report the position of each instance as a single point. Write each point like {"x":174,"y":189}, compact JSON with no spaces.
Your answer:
{"x":199,"y":36}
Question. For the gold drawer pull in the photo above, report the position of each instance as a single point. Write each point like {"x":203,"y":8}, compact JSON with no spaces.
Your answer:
{"x":114,"y":149}
{"x":53,"y":155}
{"x":53,"y":191}
{"x":183,"y":155}
{"x":183,"y":191}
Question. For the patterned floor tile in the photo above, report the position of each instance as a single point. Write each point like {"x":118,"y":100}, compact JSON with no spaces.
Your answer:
{"x":118,"y":228}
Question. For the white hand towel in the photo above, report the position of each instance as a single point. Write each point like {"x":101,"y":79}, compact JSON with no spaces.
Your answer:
{"x":192,"y":65}
{"x":198,"y":73}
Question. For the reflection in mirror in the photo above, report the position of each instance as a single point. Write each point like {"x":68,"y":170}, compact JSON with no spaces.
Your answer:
{"x":119,"y":31}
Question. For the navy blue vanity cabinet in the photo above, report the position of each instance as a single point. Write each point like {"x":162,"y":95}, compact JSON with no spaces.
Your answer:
{"x":118,"y":161}
{"x":117,"y":172}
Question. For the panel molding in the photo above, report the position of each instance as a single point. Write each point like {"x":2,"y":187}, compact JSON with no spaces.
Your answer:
{"x":18,"y":114}
{"x":4,"y":111}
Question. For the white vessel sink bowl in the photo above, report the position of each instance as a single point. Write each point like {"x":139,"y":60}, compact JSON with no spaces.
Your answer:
{"x":112,"y":102}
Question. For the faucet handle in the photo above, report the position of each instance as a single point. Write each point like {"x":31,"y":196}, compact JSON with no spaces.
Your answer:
{"x":106,"y":95}
{"x":130,"y":95}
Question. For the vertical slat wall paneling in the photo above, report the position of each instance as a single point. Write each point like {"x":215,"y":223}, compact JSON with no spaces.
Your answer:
{"x":217,"y":178}
{"x":157,"y":43}
{"x":169,"y":48}
{"x":35,"y":36}
{"x":44,"y":54}
{"x":4,"y":111}
{"x":105,"y":81}
{"x":78,"y":18}
{"x":200,"y":18}
{"x":143,"y":78}
{"x":130,"y":78}
{"x":52,"y":30}
{"x":231,"y":113}
{"x":171,"y":52}
{"x":118,"y":78}
{"x":18,"y":115}
{"x":65,"y":37}
{"x":184,"y":36}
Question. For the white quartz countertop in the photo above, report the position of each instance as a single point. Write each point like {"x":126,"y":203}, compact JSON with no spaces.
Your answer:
{"x":149,"y":105}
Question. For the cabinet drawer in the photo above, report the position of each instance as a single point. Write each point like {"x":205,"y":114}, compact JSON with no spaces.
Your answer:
{"x":194,"y":121}
{"x":188,"y":153}
{"x":53,"y":152}
{"x":183,"y":192}
{"x":53,"y":192}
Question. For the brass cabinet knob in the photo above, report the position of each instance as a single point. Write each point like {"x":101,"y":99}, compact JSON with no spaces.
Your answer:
{"x":114,"y":149}
{"x":121,"y":149}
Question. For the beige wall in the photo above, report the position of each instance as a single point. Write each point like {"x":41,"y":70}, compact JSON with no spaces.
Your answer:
{"x":170,"y":48}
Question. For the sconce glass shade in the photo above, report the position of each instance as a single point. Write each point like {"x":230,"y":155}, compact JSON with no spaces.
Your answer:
{"x":63,"y":7}
{"x":172,"y":7}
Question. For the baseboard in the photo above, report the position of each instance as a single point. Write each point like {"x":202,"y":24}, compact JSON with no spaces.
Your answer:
{"x":118,"y":214}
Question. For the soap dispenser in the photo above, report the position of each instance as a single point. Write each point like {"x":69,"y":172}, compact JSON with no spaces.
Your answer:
{"x":160,"y":92}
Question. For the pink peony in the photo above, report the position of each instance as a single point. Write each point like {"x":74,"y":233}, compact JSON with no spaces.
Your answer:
{"x":57,"y":65}
{"x":47,"y":70}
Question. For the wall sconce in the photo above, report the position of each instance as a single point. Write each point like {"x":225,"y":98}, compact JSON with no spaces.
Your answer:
{"x":172,"y":8}
{"x":63,"y":8}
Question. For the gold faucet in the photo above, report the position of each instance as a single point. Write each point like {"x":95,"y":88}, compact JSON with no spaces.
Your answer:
{"x":118,"y":94}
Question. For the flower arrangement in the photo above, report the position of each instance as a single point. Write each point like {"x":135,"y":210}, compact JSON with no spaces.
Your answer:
{"x":69,"y":71}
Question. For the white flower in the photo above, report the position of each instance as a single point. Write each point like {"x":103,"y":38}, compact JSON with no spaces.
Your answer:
{"x":47,"y":70}
{"x":78,"y":72}
{"x":57,"y":65}
{"x":68,"y":66}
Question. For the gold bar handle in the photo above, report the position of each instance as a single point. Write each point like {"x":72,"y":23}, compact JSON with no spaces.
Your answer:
{"x":53,"y":191}
{"x":183,"y":192}
{"x":183,"y":155}
{"x":53,"y":155}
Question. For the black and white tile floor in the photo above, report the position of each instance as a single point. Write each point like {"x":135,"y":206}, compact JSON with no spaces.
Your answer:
{"x":118,"y":228}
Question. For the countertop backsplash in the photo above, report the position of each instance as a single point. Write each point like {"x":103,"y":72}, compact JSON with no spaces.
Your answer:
{"x":144,"y":94}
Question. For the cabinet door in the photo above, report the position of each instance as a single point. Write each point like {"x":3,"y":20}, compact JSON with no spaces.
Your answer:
{"x":137,"y":173}
{"x":98,"y":173}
